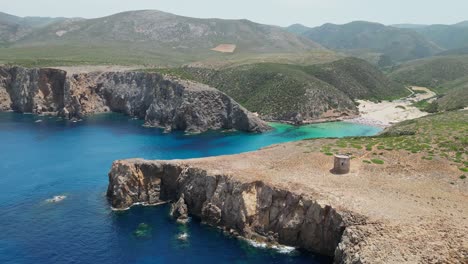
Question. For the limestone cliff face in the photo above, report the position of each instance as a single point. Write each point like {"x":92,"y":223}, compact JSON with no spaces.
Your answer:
{"x":31,"y":90}
{"x":253,"y":209}
{"x":160,"y":100}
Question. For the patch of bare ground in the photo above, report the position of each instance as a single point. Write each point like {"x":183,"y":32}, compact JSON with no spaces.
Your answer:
{"x":225,"y":48}
{"x":415,"y":213}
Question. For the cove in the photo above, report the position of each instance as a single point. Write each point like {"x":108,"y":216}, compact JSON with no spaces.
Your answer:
{"x":41,"y":157}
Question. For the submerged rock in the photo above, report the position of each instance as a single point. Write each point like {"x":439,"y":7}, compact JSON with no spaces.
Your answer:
{"x":143,"y":230}
{"x":56,"y":199}
{"x":183,"y":237}
{"x":161,"y":101}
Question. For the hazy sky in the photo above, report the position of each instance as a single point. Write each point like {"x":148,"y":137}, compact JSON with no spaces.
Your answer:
{"x":277,"y":12}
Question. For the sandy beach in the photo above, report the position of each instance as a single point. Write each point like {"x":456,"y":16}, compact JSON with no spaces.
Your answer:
{"x":386,"y":113}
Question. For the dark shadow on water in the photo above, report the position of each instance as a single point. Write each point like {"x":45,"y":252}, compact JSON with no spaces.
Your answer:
{"x":204,"y":243}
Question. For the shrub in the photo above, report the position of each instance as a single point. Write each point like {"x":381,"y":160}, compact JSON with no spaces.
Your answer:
{"x":432,"y":108}
{"x":377,"y":161}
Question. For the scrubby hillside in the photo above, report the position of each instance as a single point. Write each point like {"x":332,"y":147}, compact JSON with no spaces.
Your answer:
{"x":298,"y":93}
{"x":358,"y":79}
{"x":153,"y":37}
{"x":455,"y":95}
{"x":297,"y":29}
{"x":432,"y":72}
{"x":393,"y":43}
{"x":13,"y":28}
{"x":446,"y":75}
{"x":447,"y":36}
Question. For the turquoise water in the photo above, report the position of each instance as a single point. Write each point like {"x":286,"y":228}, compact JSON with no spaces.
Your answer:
{"x":39,"y":160}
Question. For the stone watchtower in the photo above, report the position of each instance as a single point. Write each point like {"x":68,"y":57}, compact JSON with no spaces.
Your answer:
{"x":342,"y":164}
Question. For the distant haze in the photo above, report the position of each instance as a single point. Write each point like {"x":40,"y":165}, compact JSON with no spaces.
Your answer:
{"x":275,"y":12}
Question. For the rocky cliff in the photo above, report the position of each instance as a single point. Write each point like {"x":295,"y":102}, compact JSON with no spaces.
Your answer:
{"x":161,"y":101}
{"x":251,"y":208}
{"x":400,"y":211}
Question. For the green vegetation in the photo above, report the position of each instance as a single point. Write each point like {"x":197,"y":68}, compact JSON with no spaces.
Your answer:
{"x":377,"y":161}
{"x":419,"y":92}
{"x":425,"y":106}
{"x":447,"y":76}
{"x":143,"y":55}
{"x":439,"y":136}
{"x":361,"y":38}
{"x":432,"y":72}
{"x":358,"y":79}
{"x":446,"y":36}
{"x":297,"y":29}
{"x":282,"y":91}
{"x":143,"y":38}
{"x":462,"y":177}
{"x":456,"y":95}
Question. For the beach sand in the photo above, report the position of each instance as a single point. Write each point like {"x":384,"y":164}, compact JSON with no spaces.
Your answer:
{"x":386,"y":113}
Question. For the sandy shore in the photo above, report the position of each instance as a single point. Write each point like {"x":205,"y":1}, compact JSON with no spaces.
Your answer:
{"x":386,"y":113}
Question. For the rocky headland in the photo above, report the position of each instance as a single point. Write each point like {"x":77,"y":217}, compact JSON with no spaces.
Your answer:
{"x":407,"y":210}
{"x":162,"y":101}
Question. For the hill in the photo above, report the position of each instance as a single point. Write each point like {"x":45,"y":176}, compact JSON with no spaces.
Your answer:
{"x":446,"y":75}
{"x":459,"y":51}
{"x":298,"y":93}
{"x":408,"y":26}
{"x":462,"y":24}
{"x":431,"y":72}
{"x":13,"y":28}
{"x":297,"y":29}
{"x":456,"y":95}
{"x":446,"y":36}
{"x":391,"y":43}
{"x":164,"y":38}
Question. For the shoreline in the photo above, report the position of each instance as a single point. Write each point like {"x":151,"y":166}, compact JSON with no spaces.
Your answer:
{"x":280,"y":195}
{"x":387,"y":113}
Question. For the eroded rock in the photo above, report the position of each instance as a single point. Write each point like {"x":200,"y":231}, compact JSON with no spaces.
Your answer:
{"x":162,"y":101}
{"x":179,"y":211}
{"x":251,"y":209}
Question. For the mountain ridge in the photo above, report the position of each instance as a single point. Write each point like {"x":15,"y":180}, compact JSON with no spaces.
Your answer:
{"x":361,"y":37}
{"x":165,"y":38}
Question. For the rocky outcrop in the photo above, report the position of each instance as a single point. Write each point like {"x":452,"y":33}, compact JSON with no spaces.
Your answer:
{"x":252,"y":209}
{"x":400,"y":211}
{"x":32,"y":90}
{"x":179,"y":210}
{"x":161,"y":101}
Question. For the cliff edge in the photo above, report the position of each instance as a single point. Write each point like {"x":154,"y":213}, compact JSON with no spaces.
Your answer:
{"x":406,"y":210}
{"x":162,"y":101}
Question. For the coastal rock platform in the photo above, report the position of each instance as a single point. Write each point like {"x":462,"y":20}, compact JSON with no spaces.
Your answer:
{"x":406,"y":210}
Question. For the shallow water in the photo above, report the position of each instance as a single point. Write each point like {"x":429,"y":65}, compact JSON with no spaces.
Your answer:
{"x":40,"y":160}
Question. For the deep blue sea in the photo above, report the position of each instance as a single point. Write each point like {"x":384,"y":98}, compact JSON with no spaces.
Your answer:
{"x":42,"y":159}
